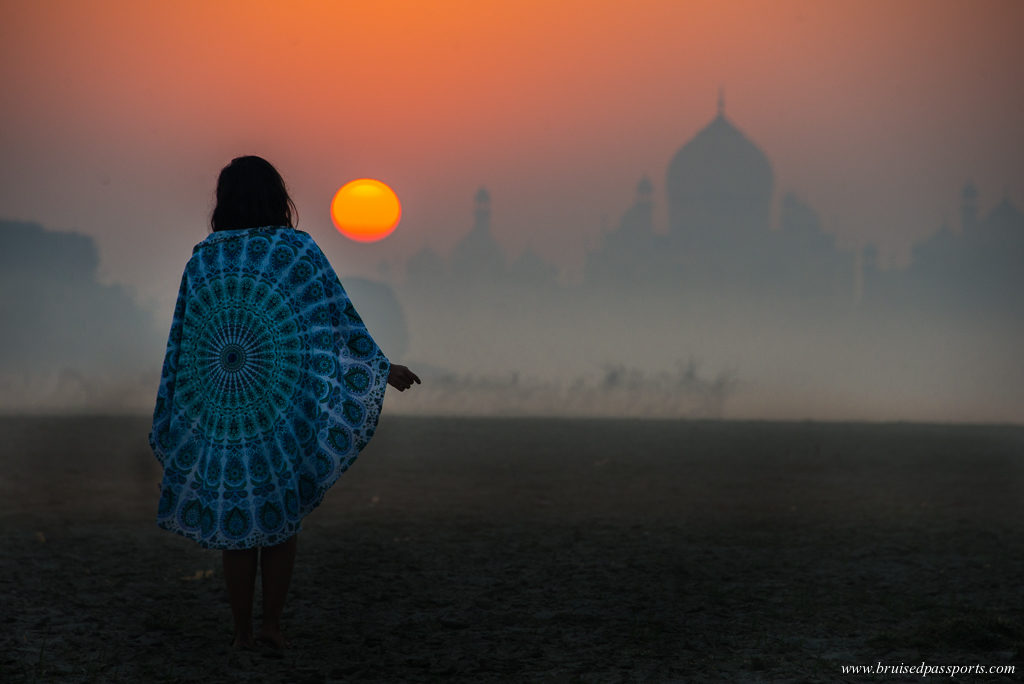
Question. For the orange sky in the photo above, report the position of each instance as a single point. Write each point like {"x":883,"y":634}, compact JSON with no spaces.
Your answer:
{"x":118,"y":115}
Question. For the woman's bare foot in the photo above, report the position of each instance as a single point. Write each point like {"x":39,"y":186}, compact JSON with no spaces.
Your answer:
{"x":272,"y":637}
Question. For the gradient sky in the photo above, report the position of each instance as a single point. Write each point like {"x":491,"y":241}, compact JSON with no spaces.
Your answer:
{"x":118,"y":115}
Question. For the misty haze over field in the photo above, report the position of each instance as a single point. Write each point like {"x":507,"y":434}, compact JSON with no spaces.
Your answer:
{"x":711,"y":208}
{"x":726,"y":310}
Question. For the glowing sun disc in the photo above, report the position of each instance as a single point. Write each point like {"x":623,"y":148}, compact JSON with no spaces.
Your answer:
{"x":365,"y":210}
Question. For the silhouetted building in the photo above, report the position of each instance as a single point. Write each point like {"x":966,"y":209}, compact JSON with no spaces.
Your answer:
{"x":719,"y":187}
{"x":478,"y":261}
{"x":632,"y":254}
{"x":478,"y":256}
{"x":978,"y":269}
{"x":808,"y":261}
{"x":638,"y":221}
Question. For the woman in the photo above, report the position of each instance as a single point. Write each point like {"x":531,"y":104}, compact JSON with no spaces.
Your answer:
{"x":271,"y":385}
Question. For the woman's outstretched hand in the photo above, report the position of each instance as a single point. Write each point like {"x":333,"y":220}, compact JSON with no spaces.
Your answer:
{"x":401,"y":378}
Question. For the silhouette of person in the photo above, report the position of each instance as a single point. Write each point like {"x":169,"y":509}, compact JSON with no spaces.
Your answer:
{"x":271,"y":385}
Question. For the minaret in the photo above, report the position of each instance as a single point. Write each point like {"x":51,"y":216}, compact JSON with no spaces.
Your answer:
{"x":482,"y":210}
{"x":477,"y":255}
{"x":637,"y":221}
{"x":644,"y":189}
{"x":968,"y":208}
{"x":721,"y":101}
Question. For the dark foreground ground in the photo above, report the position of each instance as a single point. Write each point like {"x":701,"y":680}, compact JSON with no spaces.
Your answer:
{"x":533,"y":550}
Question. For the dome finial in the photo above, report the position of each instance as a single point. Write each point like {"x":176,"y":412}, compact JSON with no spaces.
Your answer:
{"x":721,"y":101}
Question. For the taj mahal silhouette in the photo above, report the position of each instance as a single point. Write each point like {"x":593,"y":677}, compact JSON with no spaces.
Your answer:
{"x":721,"y":240}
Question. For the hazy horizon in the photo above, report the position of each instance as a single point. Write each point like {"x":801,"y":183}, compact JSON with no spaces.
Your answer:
{"x":873,"y":117}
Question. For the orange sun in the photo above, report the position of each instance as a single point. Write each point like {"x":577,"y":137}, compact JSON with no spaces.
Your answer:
{"x":365,"y":210}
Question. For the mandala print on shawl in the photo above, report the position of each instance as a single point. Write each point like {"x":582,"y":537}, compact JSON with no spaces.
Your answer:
{"x":271,"y":386}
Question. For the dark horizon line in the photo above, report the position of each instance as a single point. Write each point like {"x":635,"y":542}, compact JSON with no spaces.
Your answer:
{"x":887,"y":423}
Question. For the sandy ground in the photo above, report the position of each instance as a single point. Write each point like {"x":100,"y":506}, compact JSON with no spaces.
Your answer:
{"x":532,"y":550}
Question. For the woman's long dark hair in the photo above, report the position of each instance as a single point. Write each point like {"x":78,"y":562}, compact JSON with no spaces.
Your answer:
{"x":251,"y":194}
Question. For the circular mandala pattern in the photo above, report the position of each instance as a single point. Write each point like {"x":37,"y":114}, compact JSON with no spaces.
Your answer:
{"x":271,"y":385}
{"x":232,"y":357}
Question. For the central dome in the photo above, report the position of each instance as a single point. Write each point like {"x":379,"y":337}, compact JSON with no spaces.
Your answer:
{"x":719,"y":185}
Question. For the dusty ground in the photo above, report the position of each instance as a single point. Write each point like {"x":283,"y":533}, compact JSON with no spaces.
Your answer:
{"x":531,"y":550}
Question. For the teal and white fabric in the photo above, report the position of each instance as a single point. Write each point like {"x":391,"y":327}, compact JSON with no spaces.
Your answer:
{"x":271,"y":386}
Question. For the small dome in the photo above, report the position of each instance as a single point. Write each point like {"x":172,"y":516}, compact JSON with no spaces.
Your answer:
{"x":1004,"y":217}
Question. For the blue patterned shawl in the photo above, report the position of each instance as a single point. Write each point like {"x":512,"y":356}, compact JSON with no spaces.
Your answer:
{"x":270,"y":387}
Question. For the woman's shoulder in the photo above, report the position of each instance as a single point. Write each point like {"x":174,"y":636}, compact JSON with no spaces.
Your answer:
{"x":225,"y":247}
{"x":284,"y":233}
{"x":267,"y":250}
